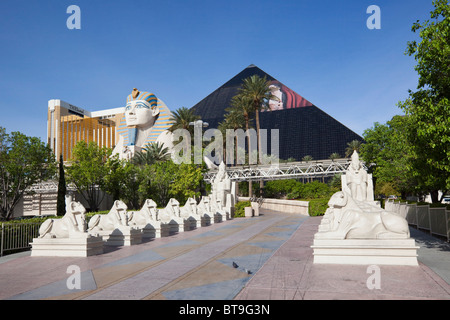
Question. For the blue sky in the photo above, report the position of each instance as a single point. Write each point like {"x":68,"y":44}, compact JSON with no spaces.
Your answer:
{"x":183,"y":50}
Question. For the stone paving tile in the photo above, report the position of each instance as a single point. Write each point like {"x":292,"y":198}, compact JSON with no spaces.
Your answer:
{"x":291,"y":268}
{"x":147,"y":282}
{"x":197,"y":264}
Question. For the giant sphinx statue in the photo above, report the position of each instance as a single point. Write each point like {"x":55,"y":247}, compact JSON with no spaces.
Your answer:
{"x":352,"y":213}
{"x":141,"y":112}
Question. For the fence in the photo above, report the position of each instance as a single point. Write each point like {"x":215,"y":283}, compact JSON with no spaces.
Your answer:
{"x":434,"y":220}
{"x":17,"y":236}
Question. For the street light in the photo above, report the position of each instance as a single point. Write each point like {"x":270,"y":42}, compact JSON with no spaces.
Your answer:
{"x":199,"y":123}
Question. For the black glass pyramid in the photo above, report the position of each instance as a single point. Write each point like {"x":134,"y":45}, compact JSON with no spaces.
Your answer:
{"x":304,"y":129}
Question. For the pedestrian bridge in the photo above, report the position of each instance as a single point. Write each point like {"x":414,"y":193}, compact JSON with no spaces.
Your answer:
{"x":290,"y":170}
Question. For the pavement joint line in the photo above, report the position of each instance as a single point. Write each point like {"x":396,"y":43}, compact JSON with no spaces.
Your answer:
{"x":156,"y":264}
{"x":87,"y":293}
{"x":137,"y":282}
{"x":279,"y":248}
{"x":214,"y":258}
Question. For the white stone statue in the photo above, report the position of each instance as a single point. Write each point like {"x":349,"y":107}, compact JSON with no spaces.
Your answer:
{"x":72,"y":225}
{"x":221,"y":185}
{"x":205,"y":210}
{"x":348,"y":218}
{"x":171,"y":215}
{"x":190,"y":212}
{"x":147,"y":219}
{"x":217,"y":209}
{"x":141,"y":112}
{"x":357,"y":179}
{"x":147,"y":214}
{"x":352,"y":213}
{"x":115,"y":218}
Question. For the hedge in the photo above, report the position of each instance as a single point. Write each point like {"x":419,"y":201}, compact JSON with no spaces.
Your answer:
{"x":317,"y":207}
{"x":239,"y":208}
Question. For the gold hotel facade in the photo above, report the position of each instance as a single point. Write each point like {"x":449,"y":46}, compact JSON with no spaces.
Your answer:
{"x":68,"y":124}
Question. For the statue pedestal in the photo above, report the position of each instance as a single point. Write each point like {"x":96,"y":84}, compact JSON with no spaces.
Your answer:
{"x":121,"y":236}
{"x":154,"y":229}
{"x":194,"y":222}
{"x":401,"y":252}
{"x":248,"y":212}
{"x":230,"y":212}
{"x":176,"y":225}
{"x":255,"y":207}
{"x":67,"y":247}
{"x":206,"y":220}
{"x":220,"y":217}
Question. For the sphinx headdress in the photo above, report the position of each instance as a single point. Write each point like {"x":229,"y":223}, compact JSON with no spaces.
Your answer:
{"x":149,"y":99}
{"x":142,"y":99}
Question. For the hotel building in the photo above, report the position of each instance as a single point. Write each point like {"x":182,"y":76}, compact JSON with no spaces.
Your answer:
{"x":68,"y":124}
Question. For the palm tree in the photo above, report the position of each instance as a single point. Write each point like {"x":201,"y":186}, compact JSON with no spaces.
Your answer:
{"x":233,"y":119}
{"x":182,"y":118}
{"x":152,"y":153}
{"x":354,"y":145}
{"x":334,"y":156}
{"x":256,"y":90}
{"x":241,"y":103}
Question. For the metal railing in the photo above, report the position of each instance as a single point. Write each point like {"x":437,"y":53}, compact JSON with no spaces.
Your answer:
{"x":17,"y":236}
{"x":290,"y":170}
{"x":434,"y":220}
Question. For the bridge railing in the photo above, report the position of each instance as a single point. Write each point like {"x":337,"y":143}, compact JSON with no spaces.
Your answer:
{"x":291,"y":170}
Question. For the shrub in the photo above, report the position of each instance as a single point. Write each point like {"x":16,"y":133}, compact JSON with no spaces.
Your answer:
{"x":239,"y":208}
{"x":89,"y":215}
{"x":315,"y":190}
{"x":317,"y":207}
{"x":280,"y":188}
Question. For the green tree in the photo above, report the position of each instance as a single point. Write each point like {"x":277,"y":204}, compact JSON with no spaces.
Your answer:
{"x":24,"y":161}
{"x":240,"y":102}
{"x":187,"y":182}
{"x":387,"y":154}
{"x":181,"y":119}
{"x":334,"y":156}
{"x":131,"y":183}
{"x":428,"y":108}
{"x":62,"y":189}
{"x":119,"y":178}
{"x":157,"y":180}
{"x":255,"y":90}
{"x":87,"y":171}
{"x":353,"y":145}
{"x":151,"y":153}
{"x":233,"y":119}
{"x":164,"y":180}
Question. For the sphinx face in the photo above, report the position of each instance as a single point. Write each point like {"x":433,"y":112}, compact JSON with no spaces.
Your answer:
{"x":140,"y":114}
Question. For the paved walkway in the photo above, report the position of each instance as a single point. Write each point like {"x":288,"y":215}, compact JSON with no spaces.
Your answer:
{"x":266,"y":257}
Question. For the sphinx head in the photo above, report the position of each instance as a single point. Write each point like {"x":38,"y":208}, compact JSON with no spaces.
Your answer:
{"x":141,"y":109}
{"x":338,"y":200}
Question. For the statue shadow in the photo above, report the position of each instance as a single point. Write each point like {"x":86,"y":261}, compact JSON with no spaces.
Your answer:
{"x":429,"y":241}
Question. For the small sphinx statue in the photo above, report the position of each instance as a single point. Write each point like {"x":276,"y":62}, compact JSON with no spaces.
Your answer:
{"x":352,"y":213}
